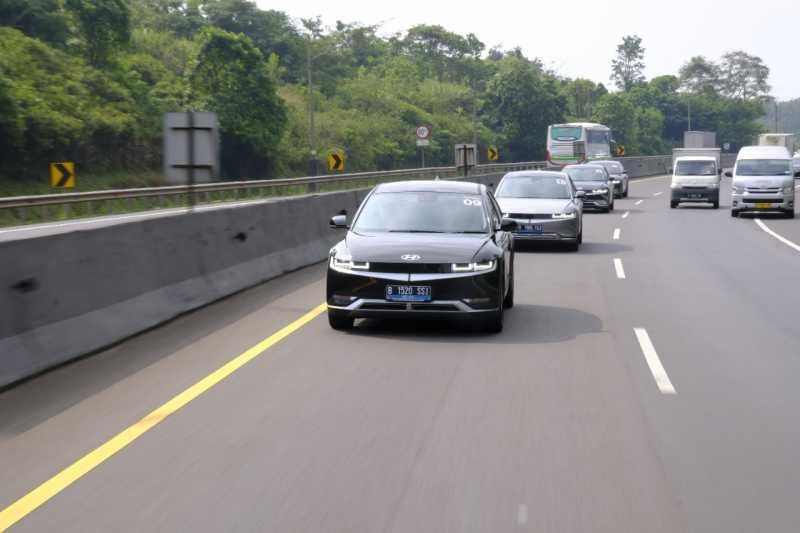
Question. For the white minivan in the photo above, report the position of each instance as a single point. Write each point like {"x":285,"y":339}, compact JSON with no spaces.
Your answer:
{"x":763,"y":181}
{"x":695,"y":179}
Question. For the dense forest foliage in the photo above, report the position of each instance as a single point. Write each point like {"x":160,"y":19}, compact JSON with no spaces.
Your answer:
{"x":787,"y":115}
{"x":89,"y":80}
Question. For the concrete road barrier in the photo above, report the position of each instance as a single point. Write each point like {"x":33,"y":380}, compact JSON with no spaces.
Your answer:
{"x":67,"y":295}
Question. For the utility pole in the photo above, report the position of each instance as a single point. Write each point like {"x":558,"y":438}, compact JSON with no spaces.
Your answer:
{"x":776,"y":115}
{"x":689,"y":115}
{"x":313,"y":160}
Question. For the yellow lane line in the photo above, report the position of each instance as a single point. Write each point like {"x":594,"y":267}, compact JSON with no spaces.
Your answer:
{"x":38,"y":496}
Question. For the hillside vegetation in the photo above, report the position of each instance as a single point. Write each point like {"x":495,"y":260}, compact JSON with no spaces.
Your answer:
{"x":89,"y":81}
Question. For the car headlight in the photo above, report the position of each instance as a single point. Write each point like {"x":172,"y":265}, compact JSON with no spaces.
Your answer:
{"x":738,"y":190}
{"x":617,"y":182}
{"x":788,"y":190}
{"x":563,"y":216}
{"x":479,"y":266}
{"x":713,"y":185}
{"x":346,"y":264}
{"x":599,"y":191}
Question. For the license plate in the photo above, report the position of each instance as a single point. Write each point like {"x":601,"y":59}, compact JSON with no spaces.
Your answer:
{"x":408,"y":293}
{"x":695,"y":196}
{"x":536,"y":229}
{"x":763,"y":205}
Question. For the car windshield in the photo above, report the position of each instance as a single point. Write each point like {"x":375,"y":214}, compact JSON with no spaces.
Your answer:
{"x":763,"y":167}
{"x":598,"y":137}
{"x":554,"y":187}
{"x":587,"y":174}
{"x":422,"y":212}
{"x":695,"y":168}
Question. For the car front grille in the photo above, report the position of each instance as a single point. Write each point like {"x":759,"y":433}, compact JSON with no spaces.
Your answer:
{"x":411,"y":268}
{"x":537,"y":216}
{"x":762,"y":200}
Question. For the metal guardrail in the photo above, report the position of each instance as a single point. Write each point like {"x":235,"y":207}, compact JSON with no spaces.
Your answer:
{"x":70,"y":205}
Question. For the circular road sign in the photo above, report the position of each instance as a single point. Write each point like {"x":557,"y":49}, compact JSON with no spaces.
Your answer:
{"x":423,"y":132}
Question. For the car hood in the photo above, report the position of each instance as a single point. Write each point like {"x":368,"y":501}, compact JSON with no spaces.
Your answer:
{"x":430,"y":247}
{"x":589,"y":185}
{"x":532,"y":205}
{"x":696,"y":180}
{"x":763,"y":181}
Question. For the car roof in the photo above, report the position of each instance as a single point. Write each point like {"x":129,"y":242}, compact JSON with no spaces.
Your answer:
{"x":534,"y":173}
{"x":463,"y":187}
{"x":585,"y":165}
{"x":582,"y":125}
{"x":602,"y":162}
{"x":696,"y":158}
{"x":755,"y":152}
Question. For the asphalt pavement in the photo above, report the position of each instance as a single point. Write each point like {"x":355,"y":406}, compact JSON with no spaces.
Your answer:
{"x":644,"y":383}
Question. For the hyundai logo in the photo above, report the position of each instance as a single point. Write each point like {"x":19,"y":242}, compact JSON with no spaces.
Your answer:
{"x":410,"y":257}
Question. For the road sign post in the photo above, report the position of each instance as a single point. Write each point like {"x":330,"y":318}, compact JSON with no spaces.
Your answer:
{"x":62,"y":175}
{"x":466,"y":156}
{"x":423,"y":139}
{"x":191,"y":148}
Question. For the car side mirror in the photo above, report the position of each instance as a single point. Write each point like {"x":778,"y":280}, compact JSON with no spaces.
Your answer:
{"x":339,"y":222}
{"x":508,"y":224}
{"x":580,"y":194}
{"x":670,"y":171}
{"x":728,"y":174}
{"x":719,"y":171}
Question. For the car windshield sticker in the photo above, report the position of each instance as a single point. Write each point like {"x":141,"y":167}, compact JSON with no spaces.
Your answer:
{"x":472,"y":202}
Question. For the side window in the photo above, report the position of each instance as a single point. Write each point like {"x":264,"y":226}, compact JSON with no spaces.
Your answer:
{"x":495,"y":212}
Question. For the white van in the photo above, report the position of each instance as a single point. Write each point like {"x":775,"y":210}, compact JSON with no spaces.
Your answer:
{"x":695,"y":178}
{"x":763,"y":180}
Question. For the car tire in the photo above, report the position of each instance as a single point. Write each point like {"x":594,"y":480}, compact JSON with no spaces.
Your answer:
{"x":573,"y":246}
{"x":580,"y":237}
{"x":790,"y":214}
{"x":625,"y":194}
{"x":734,"y":214}
{"x":493,"y":323}
{"x":611,"y":205}
{"x":715,"y":205}
{"x":673,"y":204}
{"x":340,"y":322}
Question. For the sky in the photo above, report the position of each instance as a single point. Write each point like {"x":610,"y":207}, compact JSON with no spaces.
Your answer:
{"x":578,"y":38}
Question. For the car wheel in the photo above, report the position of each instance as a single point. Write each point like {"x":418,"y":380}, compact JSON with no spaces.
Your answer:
{"x":734,"y":214}
{"x":340,"y":322}
{"x":573,"y":246}
{"x":611,"y":204}
{"x":673,"y":204}
{"x":494,"y":322}
{"x":790,"y":214}
{"x":580,"y":237}
{"x":625,"y":194}
{"x":715,"y":205}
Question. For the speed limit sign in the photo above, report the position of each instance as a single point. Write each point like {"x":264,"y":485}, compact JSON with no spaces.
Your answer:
{"x":423,"y":135}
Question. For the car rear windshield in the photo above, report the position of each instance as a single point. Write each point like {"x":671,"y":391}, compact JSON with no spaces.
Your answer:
{"x":422,"y":212}
{"x":542,"y":187}
{"x":763,"y":167}
{"x":695,"y":168}
{"x":566,"y":133}
{"x":587,"y":174}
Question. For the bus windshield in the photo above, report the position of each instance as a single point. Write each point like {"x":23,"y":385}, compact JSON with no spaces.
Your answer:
{"x":566,"y":133}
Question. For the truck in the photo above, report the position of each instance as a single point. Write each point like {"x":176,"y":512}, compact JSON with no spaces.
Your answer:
{"x":696,"y":152}
{"x":778,"y":139}
{"x":699,"y":139}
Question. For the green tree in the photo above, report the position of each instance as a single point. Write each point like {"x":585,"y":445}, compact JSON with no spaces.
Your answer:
{"x":521,"y":101}
{"x":699,"y":75}
{"x":43,"y":19}
{"x":105,"y":26}
{"x":616,"y":111}
{"x":743,"y":76}
{"x":232,"y":79}
{"x":582,"y":95}
{"x":627,"y":68}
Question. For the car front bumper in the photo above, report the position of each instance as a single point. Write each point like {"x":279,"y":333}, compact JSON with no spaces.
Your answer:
{"x":596,"y":202}
{"x":695,"y":194}
{"x":547,"y":230}
{"x":454,"y":295}
{"x":762,"y":202}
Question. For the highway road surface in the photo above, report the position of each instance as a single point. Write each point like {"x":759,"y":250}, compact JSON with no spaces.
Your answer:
{"x":647,"y":383}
